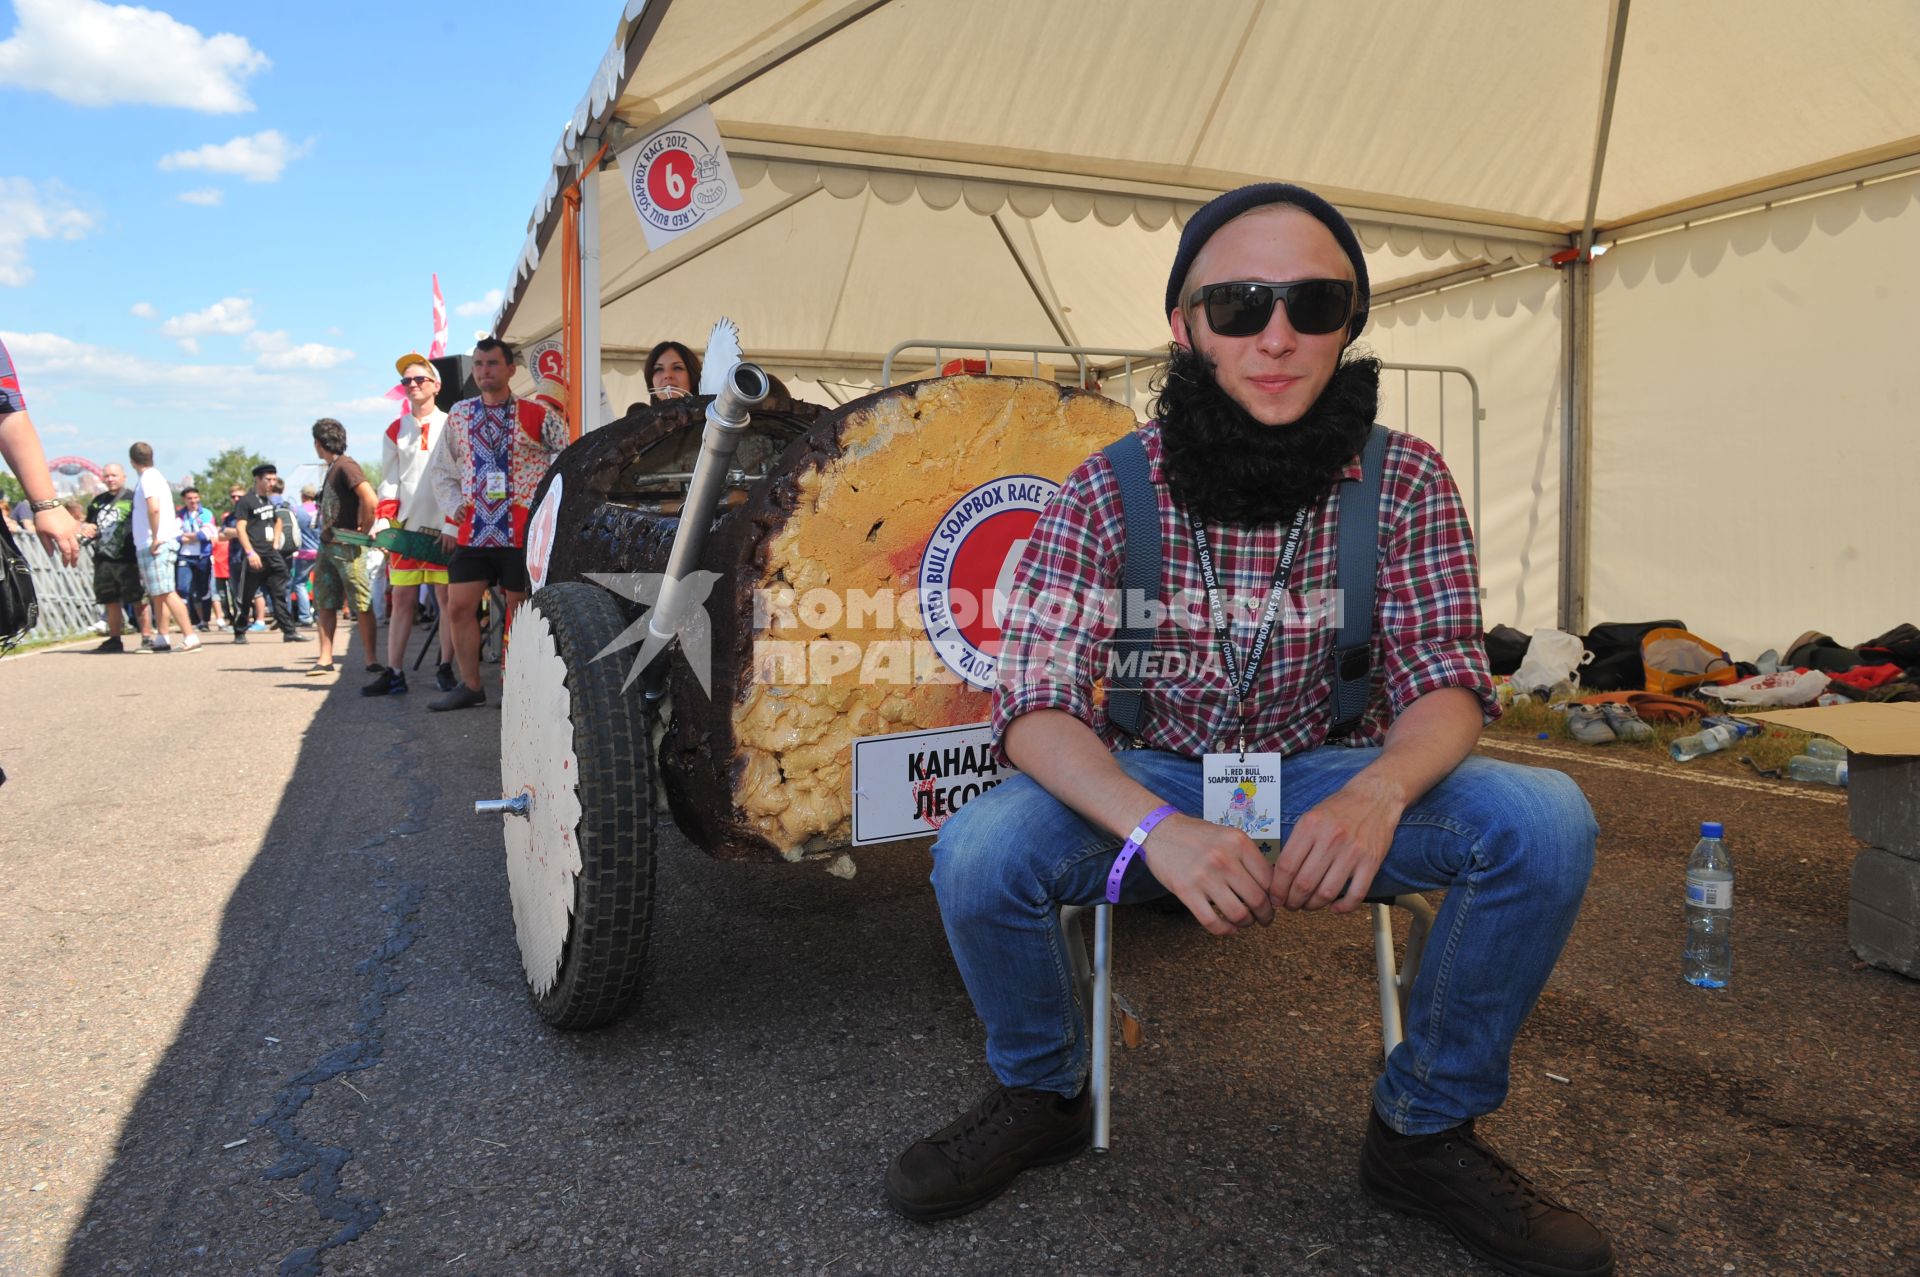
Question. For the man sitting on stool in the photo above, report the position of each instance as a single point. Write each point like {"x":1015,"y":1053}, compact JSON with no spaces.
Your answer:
{"x":1260,"y":423}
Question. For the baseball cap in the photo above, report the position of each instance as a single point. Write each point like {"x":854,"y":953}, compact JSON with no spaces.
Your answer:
{"x":411,"y":358}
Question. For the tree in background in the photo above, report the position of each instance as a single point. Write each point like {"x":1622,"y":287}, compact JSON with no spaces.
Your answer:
{"x":228,"y":469}
{"x":11,"y":493}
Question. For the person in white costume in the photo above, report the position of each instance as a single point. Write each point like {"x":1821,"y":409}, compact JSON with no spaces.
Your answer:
{"x":407,"y":502}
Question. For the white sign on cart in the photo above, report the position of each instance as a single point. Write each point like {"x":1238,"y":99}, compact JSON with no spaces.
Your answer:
{"x":679,"y":177}
{"x":906,"y":784}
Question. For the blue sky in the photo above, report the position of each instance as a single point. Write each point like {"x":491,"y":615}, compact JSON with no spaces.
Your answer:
{"x":219,"y":221}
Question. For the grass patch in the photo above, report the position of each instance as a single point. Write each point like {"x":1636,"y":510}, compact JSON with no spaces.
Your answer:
{"x":35,"y":644}
{"x":1769,"y":751}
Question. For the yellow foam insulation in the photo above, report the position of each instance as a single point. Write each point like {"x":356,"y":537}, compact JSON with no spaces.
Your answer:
{"x":861,"y":526}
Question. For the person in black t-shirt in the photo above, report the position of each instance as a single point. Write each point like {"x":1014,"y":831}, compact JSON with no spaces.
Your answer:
{"x":116,"y":578}
{"x":257,"y":519}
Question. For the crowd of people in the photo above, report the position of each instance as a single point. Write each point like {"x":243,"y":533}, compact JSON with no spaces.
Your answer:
{"x":454,"y":498}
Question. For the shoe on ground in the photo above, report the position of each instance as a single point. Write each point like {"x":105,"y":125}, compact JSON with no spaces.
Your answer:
{"x":160,"y":649}
{"x":387,"y":683}
{"x":295,"y":636}
{"x":461,"y":697}
{"x":146,"y":642}
{"x":1588,"y":725}
{"x":113,"y":644}
{"x":258,"y":627}
{"x":192,"y":645}
{"x":202,"y":627}
{"x":239,"y":636}
{"x":1626,"y":722}
{"x":321,"y":671}
{"x":1493,"y":1209}
{"x":444,"y":677}
{"x":374,"y":667}
{"x":970,"y":1161}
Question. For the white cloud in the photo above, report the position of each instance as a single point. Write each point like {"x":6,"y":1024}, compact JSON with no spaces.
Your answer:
{"x":229,"y":316}
{"x":207,"y":195}
{"x":259,"y":158}
{"x":61,"y":358}
{"x":371,"y":406}
{"x":95,"y":54}
{"x":29,"y":212}
{"x":277,"y":350}
{"x":142,"y":310}
{"x":485,"y":306}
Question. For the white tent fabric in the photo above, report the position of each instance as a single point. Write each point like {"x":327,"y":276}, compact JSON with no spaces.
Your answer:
{"x":1006,"y":171}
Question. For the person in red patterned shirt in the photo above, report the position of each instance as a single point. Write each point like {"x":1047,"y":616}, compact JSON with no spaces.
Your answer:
{"x":1263,"y":410}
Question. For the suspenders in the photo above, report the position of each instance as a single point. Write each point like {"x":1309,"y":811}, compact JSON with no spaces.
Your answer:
{"x":1359,"y":555}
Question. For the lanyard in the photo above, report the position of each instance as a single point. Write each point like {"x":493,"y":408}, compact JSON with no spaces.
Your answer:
{"x":1242,"y":680}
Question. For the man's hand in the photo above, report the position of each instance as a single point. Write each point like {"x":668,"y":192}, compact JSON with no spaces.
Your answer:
{"x":253,"y":559}
{"x":1217,"y":873}
{"x":1336,"y":848}
{"x":449,"y":542}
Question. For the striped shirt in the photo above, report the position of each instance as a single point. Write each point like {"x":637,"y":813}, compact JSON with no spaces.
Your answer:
{"x":1426,"y":632}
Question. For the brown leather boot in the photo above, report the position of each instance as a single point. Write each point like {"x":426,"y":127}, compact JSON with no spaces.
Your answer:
{"x":1493,"y":1209}
{"x":969,"y":1162}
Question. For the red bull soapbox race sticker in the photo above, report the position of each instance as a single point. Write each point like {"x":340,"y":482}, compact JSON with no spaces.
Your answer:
{"x":966,"y":573}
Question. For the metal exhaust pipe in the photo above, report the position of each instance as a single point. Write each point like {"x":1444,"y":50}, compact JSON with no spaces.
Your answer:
{"x":727,"y":417}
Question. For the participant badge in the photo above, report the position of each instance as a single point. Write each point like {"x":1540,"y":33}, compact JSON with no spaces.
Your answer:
{"x":1242,"y":791}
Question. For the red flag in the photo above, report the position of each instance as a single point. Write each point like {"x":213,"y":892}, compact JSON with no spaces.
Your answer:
{"x":439,"y":346}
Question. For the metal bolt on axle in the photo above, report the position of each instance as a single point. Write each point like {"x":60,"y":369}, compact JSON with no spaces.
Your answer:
{"x":502,"y":806}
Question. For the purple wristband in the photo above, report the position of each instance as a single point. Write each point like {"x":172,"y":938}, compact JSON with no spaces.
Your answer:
{"x":1132,"y":846}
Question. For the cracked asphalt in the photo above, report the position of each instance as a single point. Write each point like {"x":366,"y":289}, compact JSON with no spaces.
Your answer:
{"x":261,"y":1012}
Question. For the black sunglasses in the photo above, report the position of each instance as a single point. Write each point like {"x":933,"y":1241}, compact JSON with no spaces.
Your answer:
{"x":1243,"y":307}
{"x":415,"y":381}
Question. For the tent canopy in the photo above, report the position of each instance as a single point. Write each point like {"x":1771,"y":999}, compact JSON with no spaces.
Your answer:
{"x":1005,"y":171}
{"x":1071,"y":133}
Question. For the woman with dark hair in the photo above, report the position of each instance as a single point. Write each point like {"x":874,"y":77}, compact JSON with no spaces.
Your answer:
{"x":671,"y":371}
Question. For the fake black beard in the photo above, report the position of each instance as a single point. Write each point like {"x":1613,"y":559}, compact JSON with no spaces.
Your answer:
{"x":1226,"y":467}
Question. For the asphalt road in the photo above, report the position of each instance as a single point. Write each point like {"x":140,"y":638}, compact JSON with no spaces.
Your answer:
{"x":261,"y":1012}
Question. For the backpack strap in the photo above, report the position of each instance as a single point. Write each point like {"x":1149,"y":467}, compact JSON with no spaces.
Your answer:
{"x":1139,"y":579}
{"x":1359,"y":566}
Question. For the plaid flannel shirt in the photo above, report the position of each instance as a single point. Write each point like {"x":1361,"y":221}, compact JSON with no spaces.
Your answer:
{"x":1426,"y":632}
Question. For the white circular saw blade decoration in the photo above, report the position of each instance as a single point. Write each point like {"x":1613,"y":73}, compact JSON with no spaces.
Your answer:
{"x":723,"y":355}
{"x":537,"y":758}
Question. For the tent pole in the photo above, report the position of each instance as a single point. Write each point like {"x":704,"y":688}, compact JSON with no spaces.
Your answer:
{"x":1576,"y":444}
{"x":591,"y":393}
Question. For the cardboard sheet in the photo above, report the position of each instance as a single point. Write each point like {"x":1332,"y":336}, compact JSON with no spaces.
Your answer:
{"x":1863,"y":728}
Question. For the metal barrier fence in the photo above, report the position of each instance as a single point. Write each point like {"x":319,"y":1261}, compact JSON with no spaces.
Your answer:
{"x":1427,"y":413}
{"x":67,"y":609}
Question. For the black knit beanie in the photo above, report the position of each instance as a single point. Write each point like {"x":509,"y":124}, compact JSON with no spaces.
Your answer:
{"x":1222,"y":209}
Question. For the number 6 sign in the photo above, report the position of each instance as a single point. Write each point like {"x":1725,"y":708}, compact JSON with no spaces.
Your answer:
{"x":679,"y":177}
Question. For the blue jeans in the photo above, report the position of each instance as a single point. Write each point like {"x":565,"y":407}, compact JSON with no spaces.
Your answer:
{"x":193,"y":581}
{"x":302,"y":593}
{"x":1511,"y":846}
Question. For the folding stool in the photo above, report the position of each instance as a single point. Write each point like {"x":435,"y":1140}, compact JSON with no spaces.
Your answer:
{"x":1094,"y":985}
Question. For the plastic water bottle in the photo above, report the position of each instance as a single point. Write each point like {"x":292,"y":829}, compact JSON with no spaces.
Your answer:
{"x":1822,"y":771}
{"x":1688,"y":748}
{"x":1708,"y":959}
{"x":1821,"y":747}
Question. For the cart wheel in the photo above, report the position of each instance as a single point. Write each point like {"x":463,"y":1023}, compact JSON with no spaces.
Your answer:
{"x":580,"y":865}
